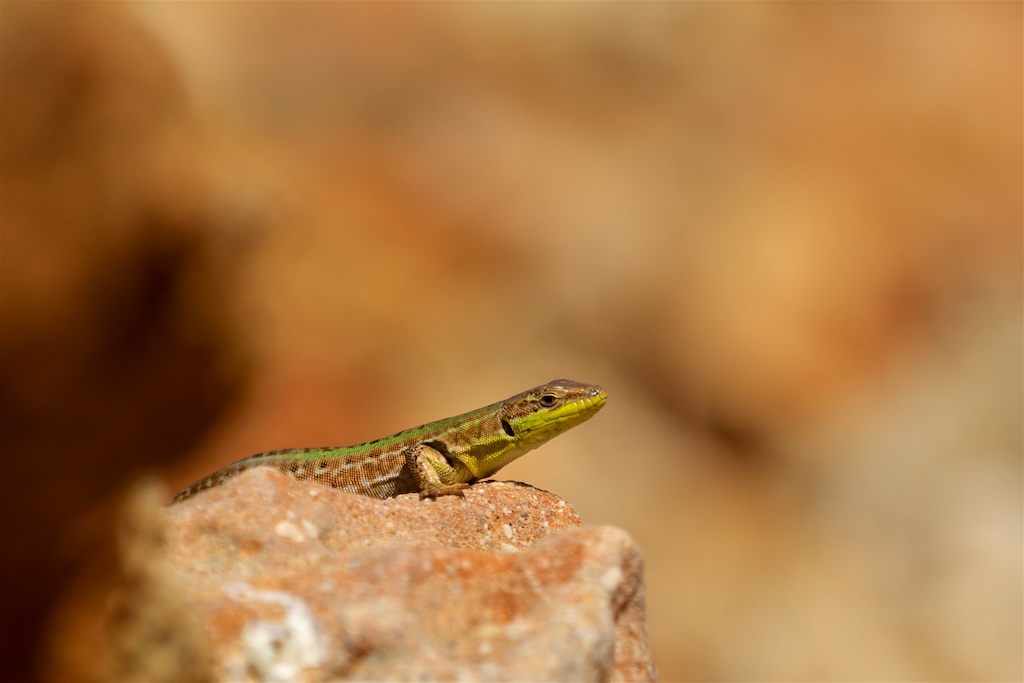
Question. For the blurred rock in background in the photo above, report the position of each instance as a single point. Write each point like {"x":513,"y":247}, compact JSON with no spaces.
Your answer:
{"x":786,"y":237}
{"x":118,"y":253}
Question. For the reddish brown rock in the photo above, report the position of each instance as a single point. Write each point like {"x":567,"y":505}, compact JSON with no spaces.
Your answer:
{"x":293,"y":581}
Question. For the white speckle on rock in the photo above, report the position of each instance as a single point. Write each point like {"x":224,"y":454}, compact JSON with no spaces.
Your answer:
{"x":279,"y":650}
{"x":611,"y":578}
{"x":290,"y":530}
{"x":508,"y":530}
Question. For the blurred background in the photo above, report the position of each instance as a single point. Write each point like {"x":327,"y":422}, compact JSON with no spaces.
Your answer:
{"x":786,"y":237}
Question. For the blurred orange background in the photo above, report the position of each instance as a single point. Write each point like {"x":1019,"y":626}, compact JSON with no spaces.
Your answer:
{"x":786,"y":237}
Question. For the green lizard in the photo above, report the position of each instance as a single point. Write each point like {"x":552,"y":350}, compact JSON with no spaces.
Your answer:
{"x":439,"y":458}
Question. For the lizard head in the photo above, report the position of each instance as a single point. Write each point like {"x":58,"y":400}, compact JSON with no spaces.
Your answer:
{"x":523,"y":422}
{"x":543,"y":412}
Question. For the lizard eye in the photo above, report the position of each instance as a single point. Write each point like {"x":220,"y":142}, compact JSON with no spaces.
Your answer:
{"x":548,"y":400}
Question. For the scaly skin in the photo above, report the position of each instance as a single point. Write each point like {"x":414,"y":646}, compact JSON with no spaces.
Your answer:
{"x":436,"y":459}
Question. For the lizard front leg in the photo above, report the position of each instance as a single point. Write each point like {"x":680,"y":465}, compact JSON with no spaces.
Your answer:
{"x":431,"y":468}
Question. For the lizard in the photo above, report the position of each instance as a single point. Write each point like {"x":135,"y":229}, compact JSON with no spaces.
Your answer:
{"x":439,"y":458}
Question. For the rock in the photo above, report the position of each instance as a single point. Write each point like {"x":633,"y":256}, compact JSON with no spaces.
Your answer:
{"x":294,"y":581}
{"x":151,"y":634}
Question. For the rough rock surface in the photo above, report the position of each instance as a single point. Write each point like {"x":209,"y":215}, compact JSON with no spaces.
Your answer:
{"x":294,"y":581}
